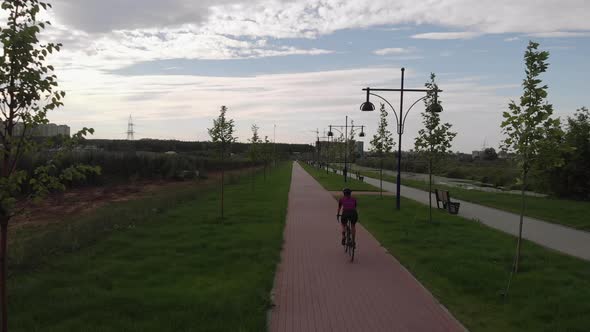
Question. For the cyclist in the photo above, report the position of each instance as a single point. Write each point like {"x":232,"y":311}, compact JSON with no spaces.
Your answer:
{"x":348,"y":205}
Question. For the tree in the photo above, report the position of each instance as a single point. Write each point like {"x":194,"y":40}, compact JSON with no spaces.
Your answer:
{"x":350,"y":148}
{"x":575,"y":169}
{"x":572,"y":177}
{"x":222,"y":134}
{"x":254,"y":150}
{"x":28,"y":90}
{"x":382,"y":143}
{"x":528,"y":126}
{"x":490,"y":154}
{"x":266,"y":154}
{"x":434,"y":140}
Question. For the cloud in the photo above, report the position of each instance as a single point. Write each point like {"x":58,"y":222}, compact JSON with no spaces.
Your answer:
{"x":560,"y":34}
{"x":116,"y":33}
{"x":310,"y":18}
{"x":446,"y":35}
{"x":511,"y":39}
{"x":107,"y":15}
{"x":392,"y":51}
{"x":125,"y":47}
{"x":182,"y":107}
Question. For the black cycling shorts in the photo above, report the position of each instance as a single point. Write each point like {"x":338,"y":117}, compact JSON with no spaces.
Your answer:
{"x":349,"y":215}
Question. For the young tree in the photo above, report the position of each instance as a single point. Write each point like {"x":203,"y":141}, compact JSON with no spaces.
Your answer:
{"x":254,"y":150}
{"x":382,"y":143}
{"x":434,"y":140}
{"x":528,"y":126}
{"x":341,"y":147}
{"x":222,"y":134}
{"x":28,"y":90}
{"x":351,"y":148}
{"x":266,"y":154}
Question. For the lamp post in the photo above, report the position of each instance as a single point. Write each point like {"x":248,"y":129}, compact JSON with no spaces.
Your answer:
{"x":319,"y":149}
{"x":326,"y":136}
{"x":401,"y":119}
{"x":346,"y":126}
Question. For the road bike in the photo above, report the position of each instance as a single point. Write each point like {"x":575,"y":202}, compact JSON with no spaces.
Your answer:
{"x":349,"y":245}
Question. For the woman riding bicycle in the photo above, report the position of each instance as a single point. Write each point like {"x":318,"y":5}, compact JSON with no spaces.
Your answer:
{"x":348,"y":205}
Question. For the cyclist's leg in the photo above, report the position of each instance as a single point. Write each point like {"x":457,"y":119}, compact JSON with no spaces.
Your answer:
{"x":343,"y":228}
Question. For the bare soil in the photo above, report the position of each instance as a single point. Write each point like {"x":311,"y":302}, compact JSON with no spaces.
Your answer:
{"x":80,"y":201}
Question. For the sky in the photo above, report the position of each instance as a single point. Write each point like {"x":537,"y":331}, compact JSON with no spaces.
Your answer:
{"x":301,"y":64}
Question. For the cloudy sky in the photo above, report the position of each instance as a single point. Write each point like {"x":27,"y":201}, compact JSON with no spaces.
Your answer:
{"x":301,"y":64}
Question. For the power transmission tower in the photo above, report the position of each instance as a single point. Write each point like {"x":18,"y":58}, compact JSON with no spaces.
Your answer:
{"x":130,"y":130}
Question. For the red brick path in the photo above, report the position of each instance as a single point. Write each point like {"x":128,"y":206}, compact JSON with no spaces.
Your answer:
{"x":318,"y":289}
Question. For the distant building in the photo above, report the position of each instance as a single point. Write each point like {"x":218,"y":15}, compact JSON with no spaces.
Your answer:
{"x":359,"y":148}
{"x":63,"y":130}
{"x":476,"y":154}
{"x":42,"y":130}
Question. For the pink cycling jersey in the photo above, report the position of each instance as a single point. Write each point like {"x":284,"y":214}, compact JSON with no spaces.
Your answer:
{"x":347,"y":203}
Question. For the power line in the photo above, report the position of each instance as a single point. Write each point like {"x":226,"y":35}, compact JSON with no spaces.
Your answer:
{"x":130,"y":130}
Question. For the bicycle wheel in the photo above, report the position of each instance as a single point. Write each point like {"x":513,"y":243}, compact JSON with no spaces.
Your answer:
{"x":349,"y":243}
{"x":347,"y":239}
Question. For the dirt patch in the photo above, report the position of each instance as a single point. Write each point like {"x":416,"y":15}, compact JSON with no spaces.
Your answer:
{"x":81,"y":201}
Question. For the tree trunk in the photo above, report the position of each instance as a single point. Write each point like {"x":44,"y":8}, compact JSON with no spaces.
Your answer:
{"x":3,"y":261}
{"x":381,"y":178}
{"x":253,"y":175}
{"x":4,"y":218}
{"x":430,"y":189}
{"x":222,"y":177}
{"x":522,"y":208}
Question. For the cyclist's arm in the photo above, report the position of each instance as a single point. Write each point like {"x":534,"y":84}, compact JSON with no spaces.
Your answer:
{"x":339,"y":206}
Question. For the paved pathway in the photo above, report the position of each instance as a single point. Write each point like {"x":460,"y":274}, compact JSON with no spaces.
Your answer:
{"x":564,"y":239}
{"x":318,"y":289}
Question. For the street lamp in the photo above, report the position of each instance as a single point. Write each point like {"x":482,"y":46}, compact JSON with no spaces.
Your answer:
{"x":400,"y":120}
{"x":346,"y":126}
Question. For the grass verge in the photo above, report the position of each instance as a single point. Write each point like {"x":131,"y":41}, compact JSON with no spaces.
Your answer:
{"x":559,"y":211}
{"x":181,"y":270}
{"x":334,"y":182}
{"x":466,"y":265}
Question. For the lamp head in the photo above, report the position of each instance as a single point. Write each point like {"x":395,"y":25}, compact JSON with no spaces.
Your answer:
{"x":435,"y":108}
{"x":367,"y":107}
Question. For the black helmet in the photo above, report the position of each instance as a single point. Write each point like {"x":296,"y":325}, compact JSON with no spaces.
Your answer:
{"x":346,"y":191}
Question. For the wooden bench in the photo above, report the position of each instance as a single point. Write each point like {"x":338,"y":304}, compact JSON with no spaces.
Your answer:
{"x":359,"y":176}
{"x":444,"y":197}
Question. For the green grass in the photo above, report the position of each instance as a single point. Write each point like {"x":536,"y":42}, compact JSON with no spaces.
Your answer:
{"x":178,"y":270}
{"x":560,"y":211}
{"x":466,"y":265}
{"x":334,"y":182}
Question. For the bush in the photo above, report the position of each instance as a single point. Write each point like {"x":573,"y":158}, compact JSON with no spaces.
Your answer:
{"x":134,"y":166}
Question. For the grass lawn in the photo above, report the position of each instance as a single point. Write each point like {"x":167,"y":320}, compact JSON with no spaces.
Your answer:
{"x":178,"y":270}
{"x":560,"y":211}
{"x":334,"y":182}
{"x":466,"y":266}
